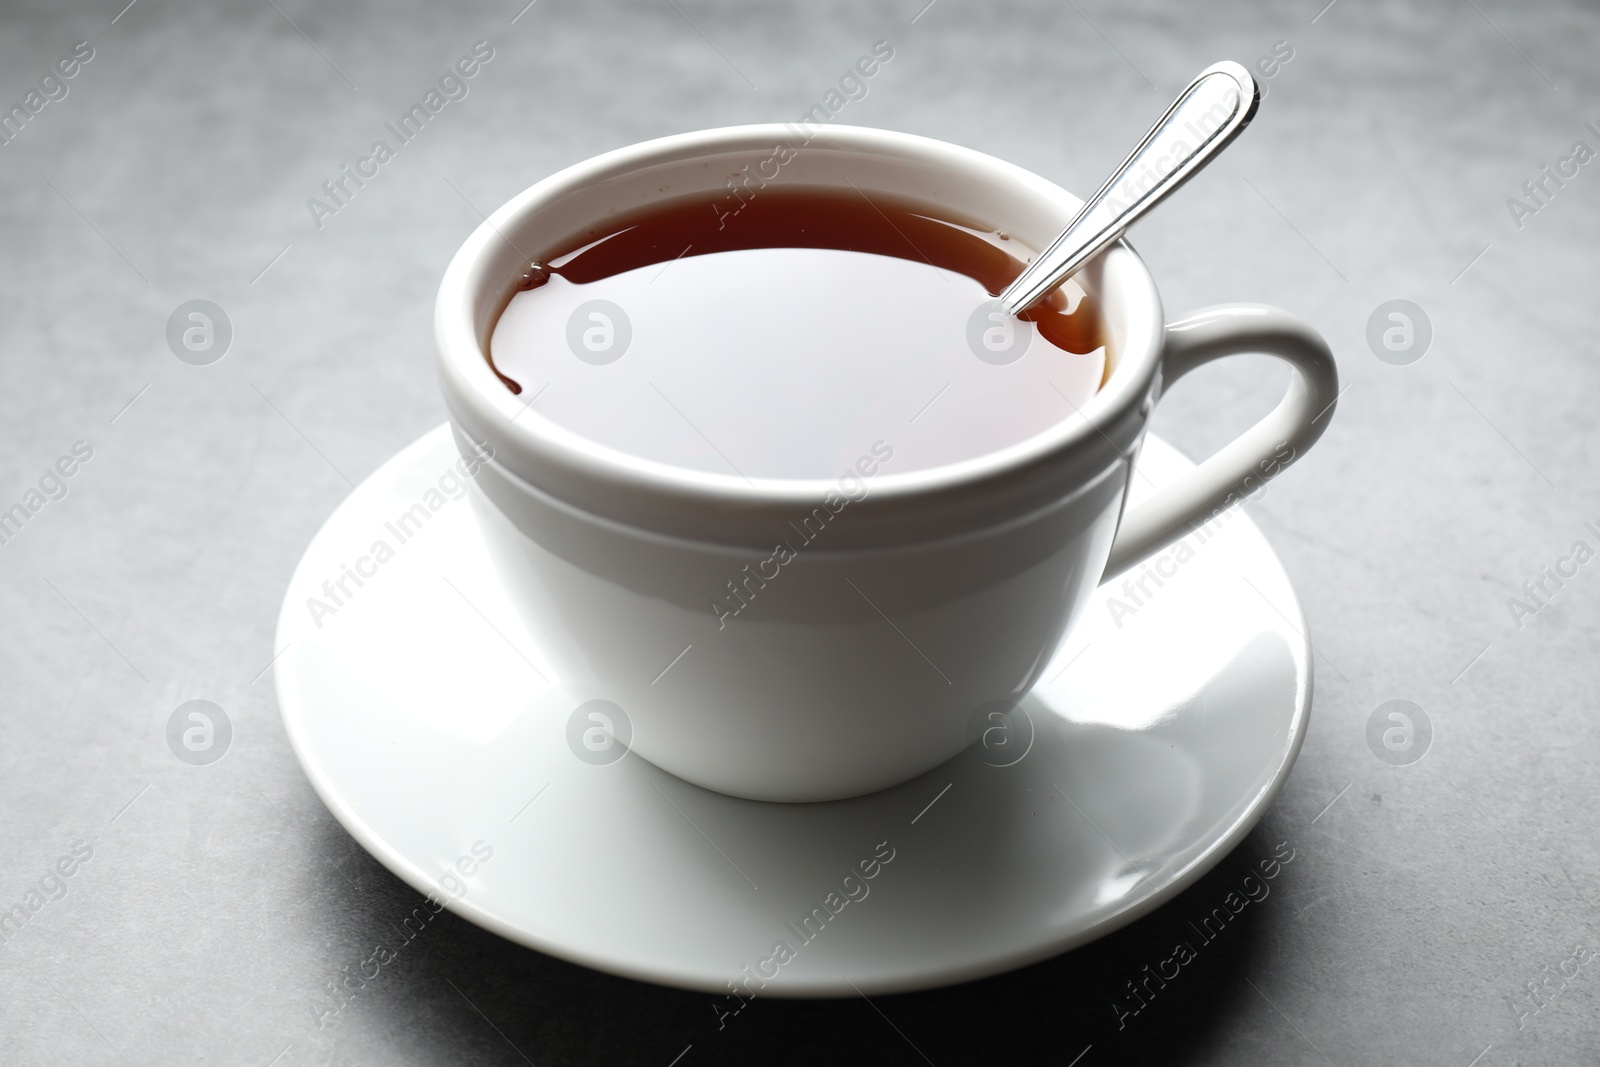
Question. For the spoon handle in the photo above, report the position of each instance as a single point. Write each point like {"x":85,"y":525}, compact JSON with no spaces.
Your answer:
{"x":1206,"y":116}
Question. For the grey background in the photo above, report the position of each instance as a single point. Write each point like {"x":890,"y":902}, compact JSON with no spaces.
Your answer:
{"x":219,"y":899}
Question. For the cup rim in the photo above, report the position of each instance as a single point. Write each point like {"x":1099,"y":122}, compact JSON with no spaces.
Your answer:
{"x":534,"y":448}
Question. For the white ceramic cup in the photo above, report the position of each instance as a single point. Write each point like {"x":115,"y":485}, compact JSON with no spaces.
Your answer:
{"x":939,"y":591}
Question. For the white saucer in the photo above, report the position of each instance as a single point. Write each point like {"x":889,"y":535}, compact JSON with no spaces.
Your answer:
{"x":417,"y":712}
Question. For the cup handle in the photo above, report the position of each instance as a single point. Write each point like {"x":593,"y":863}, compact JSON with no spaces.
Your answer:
{"x":1256,"y":456}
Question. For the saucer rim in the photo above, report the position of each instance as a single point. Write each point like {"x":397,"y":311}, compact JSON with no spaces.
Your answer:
{"x":799,"y":989}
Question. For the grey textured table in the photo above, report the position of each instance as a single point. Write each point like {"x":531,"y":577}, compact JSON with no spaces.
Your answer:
{"x":1432,"y":909}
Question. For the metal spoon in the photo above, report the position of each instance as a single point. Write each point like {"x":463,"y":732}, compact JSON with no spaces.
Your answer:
{"x":1207,"y":115}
